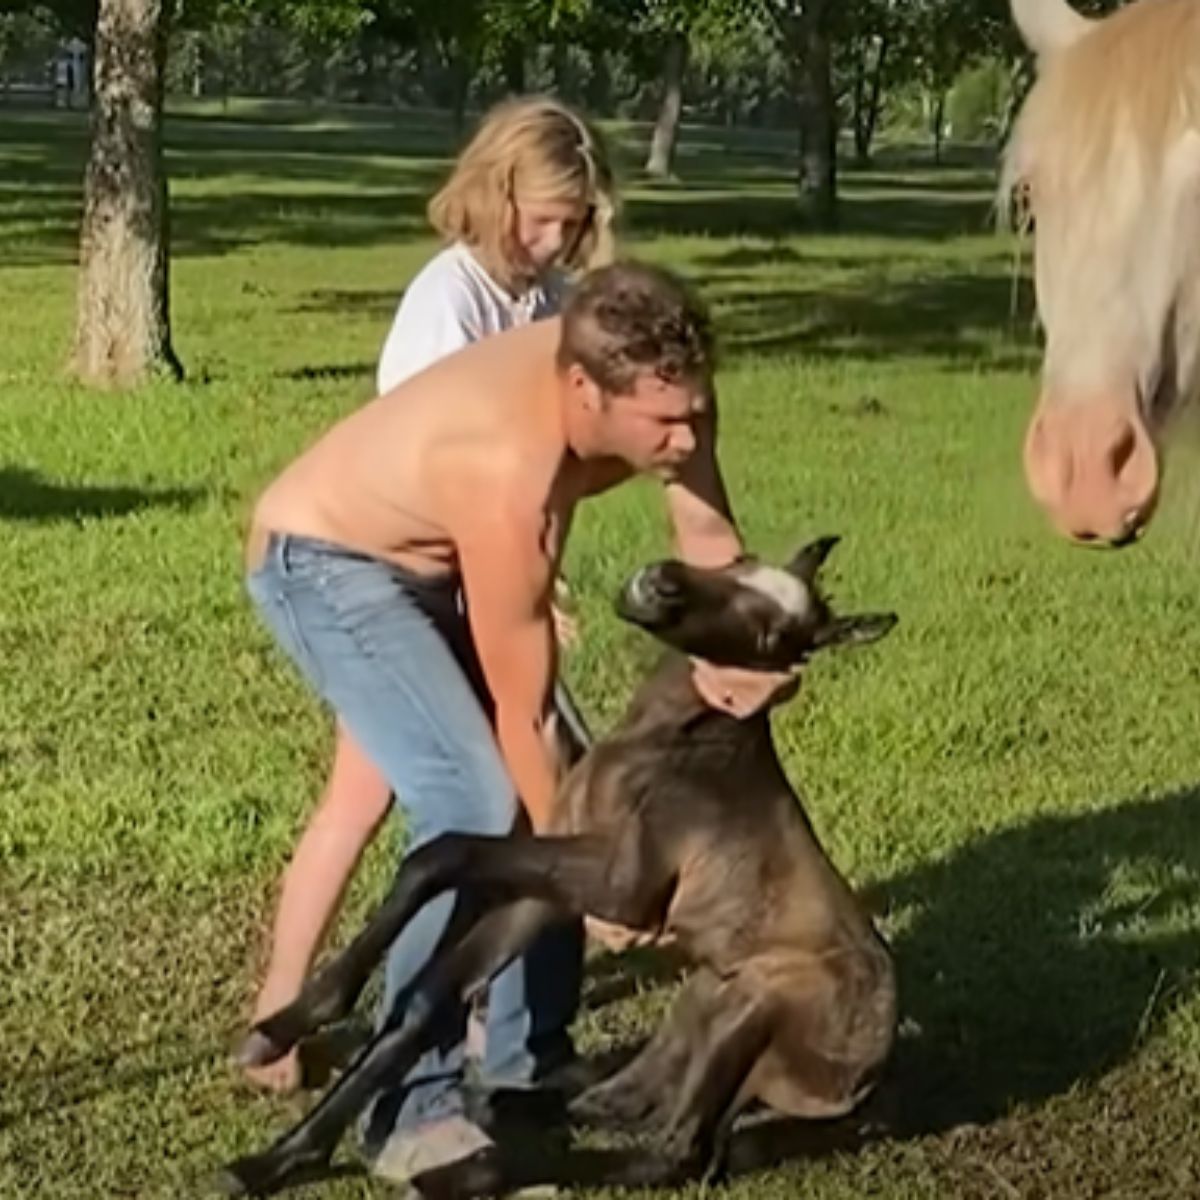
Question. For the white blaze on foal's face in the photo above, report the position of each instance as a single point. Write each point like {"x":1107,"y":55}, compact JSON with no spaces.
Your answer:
{"x":781,"y":586}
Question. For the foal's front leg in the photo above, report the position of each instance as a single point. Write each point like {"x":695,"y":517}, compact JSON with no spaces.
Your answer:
{"x":450,"y":977}
{"x":580,"y":874}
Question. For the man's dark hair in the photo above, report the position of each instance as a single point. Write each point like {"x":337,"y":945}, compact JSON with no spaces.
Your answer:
{"x":630,"y":318}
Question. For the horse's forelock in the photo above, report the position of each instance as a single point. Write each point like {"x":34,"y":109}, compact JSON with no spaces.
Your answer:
{"x":1104,"y":159}
{"x":1108,"y":108}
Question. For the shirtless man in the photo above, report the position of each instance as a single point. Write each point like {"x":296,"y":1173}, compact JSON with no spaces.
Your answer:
{"x":406,"y":562}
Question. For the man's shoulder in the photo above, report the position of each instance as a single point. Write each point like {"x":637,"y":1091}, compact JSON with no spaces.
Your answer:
{"x":503,"y":492}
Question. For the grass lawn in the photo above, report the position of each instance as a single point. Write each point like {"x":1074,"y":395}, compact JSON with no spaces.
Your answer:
{"x":1011,"y":776}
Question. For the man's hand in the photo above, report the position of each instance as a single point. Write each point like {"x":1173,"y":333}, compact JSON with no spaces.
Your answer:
{"x":739,"y":692}
{"x":566,"y":627}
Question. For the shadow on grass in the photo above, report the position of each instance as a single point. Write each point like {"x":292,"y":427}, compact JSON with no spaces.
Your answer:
{"x":948,"y":316}
{"x":380,"y":303}
{"x":850,"y":310}
{"x":333,"y":371}
{"x":34,"y":1094}
{"x":27,"y":496}
{"x":1033,"y":961}
{"x":240,"y":182}
{"x":1037,"y":957}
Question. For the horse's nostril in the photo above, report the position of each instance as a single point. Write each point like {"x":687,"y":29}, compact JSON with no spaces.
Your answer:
{"x":1122,"y":450}
{"x":1135,"y":526}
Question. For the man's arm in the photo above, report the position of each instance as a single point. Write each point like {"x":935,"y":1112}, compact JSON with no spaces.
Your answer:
{"x":705,"y":533}
{"x":507,"y":575}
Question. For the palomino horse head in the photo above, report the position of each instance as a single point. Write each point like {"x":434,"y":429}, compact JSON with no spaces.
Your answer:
{"x":1106,"y":154}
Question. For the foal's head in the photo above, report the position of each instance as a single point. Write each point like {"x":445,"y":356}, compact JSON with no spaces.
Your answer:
{"x":1106,"y":154}
{"x":747,"y":614}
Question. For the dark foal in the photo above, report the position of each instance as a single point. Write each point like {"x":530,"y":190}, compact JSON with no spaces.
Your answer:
{"x":682,"y":821}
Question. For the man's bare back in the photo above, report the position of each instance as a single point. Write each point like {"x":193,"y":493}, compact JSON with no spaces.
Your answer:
{"x":474,"y":467}
{"x":402,"y":478}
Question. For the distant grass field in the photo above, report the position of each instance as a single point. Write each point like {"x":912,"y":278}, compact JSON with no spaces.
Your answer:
{"x":1012,"y":776}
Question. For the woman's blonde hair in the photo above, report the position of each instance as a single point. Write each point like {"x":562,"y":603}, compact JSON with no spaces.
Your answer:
{"x":532,"y":146}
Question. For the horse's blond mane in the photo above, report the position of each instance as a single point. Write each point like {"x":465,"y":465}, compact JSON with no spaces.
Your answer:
{"x":1110,"y":107}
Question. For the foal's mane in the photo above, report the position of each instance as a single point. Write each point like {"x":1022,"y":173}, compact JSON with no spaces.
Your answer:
{"x":1107,"y":109}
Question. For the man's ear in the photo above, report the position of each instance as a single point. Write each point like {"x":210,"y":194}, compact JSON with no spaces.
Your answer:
{"x":582,"y":386}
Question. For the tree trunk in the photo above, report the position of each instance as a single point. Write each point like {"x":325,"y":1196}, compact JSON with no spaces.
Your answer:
{"x":123,"y":330}
{"x":862,"y":147}
{"x":368,"y":79}
{"x":939,"y":125}
{"x":513,"y":63}
{"x":599,"y":87}
{"x":818,"y":122}
{"x":661,"y":159}
{"x":460,"y":88}
{"x":197,"y":65}
{"x":868,"y":99}
{"x":875,"y":104}
{"x":563,"y":69}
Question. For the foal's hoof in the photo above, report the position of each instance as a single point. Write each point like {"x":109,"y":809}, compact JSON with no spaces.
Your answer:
{"x":648,"y":1170}
{"x":245,"y":1177}
{"x":262,"y":1174}
{"x":259,"y":1049}
{"x":602,"y":1108}
{"x":477,"y":1176}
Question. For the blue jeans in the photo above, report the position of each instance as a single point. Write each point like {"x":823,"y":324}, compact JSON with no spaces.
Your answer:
{"x":391,"y":652}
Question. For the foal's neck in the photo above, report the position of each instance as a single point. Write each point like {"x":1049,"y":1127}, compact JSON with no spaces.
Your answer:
{"x":668,"y":705}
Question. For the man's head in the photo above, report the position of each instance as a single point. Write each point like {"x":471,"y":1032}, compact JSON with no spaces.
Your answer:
{"x":635,"y":360}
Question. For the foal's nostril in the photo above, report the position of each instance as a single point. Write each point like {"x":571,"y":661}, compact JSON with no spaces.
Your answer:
{"x":651,"y":586}
{"x":661,"y":581}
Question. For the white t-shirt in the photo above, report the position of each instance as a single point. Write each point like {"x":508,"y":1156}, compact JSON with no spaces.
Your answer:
{"x":450,"y":303}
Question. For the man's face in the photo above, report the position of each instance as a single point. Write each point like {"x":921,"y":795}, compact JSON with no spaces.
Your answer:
{"x":653,"y":426}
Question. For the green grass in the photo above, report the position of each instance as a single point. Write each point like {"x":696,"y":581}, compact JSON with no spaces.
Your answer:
{"x":1011,"y":776}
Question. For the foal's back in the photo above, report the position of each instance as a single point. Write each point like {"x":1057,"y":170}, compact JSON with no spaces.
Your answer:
{"x":696,"y":806}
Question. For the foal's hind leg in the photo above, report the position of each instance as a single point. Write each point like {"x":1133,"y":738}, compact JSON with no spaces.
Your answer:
{"x":728,"y":1030}
{"x":641,"y":1093}
{"x":498,"y":938}
{"x":579,"y":874}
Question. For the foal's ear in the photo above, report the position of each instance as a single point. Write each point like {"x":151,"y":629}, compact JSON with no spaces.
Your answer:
{"x":854,"y":631}
{"x":808,"y":560}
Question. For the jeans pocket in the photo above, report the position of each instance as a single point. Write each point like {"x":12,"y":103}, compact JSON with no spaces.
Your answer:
{"x":275,"y":590}
{"x":366,"y":600}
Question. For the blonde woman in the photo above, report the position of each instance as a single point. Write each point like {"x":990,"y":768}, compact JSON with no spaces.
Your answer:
{"x":529,"y":201}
